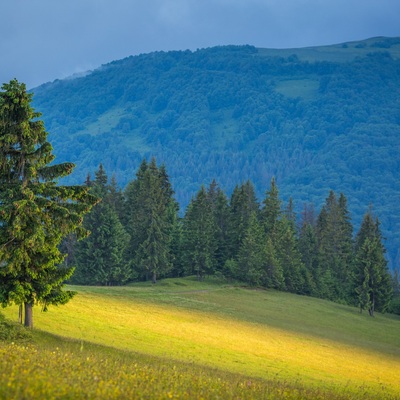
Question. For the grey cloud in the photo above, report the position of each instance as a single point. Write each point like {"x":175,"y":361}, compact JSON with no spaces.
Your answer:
{"x":41,"y":40}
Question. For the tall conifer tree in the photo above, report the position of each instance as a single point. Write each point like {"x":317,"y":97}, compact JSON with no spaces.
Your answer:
{"x":373,"y":281}
{"x":199,"y":236}
{"x":35,"y":213}
{"x":100,"y":257}
{"x":334,"y":232}
{"x":151,"y":213}
{"x":271,"y":212}
{"x":220,"y":211}
{"x":308,"y":247}
{"x":251,"y":257}
{"x":243,"y":203}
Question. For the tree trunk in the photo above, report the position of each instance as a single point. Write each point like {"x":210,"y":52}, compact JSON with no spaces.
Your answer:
{"x":20,"y":312}
{"x":154,"y":278}
{"x":28,"y":315}
{"x":372,"y":306}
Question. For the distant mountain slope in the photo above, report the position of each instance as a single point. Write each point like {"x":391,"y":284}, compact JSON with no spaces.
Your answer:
{"x":315,"y":118}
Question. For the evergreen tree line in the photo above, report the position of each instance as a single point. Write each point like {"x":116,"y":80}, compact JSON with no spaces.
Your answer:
{"x":137,"y":234}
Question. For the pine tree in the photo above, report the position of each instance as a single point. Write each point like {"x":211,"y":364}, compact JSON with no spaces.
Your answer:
{"x":251,"y":254}
{"x":198,"y":236}
{"x":176,"y":238}
{"x":243,"y":203}
{"x":345,"y":269}
{"x":151,"y":212}
{"x":373,"y":282}
{"x":395,"y":303}
{"x":135,"y":215}
{"x":273,"y":271}
{"x":153,"y":253}
{"x":257,"y":263}
{"x":308,"y":247}
{"x":115,"y":198}
{"x":334,"y":233}
{"x":286,"y":245}
{"x":35,"y":213}
{"x":281,"y":232}
{"x":100,"y":257}
{"x":220,"y":211}
{"x":290,"y":213}
{"x":271,"y":212}
{"x":369,"y":229}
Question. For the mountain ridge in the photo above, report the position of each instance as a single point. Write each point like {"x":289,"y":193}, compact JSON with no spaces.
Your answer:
{"x":315,"y":118}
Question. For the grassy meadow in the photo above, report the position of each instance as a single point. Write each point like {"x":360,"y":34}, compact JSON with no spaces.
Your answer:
{"x":186,"y":339}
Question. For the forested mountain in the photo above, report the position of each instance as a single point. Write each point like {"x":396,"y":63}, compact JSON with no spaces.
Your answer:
{"x":314,"y":118}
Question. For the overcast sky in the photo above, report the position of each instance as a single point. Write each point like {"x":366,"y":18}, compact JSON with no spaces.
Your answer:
{"x":43,"y":40}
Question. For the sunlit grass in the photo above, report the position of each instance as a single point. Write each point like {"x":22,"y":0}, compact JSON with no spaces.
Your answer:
{"x":267,"y":335}
{"x":31,"y":372}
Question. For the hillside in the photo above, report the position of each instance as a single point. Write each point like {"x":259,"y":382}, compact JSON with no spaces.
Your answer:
{"x":315,"y":118}
{"x":304,"y":347}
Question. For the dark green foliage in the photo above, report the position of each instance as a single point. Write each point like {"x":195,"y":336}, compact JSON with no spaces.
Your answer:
{"x":199,"y":229}
{"x":137,"y":234}
{"x":335,"y":249}
{"x":308,"y":247}
{"x":151,"y":220}
{"x":100,"y":257}
{"x":374,"y":285}
{"x":281,"y":233}
{"x":316,"y":120}
{"x":289,"y":256}
{"x":135,"y":217}
{"x":221,"y":215}
{"x":319,"y":260}
{"x":153,"y":253}
{"x":252,"y":256}
{"x":395,"y":303}
{"x":271,"y":212}
{"x":35,"y":213}
{"x":257,"y":262}
{"x":242,"y":205}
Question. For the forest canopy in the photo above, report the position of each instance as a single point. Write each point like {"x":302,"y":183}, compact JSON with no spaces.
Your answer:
{"x":315,"y":119}
{"x":138,"y":235}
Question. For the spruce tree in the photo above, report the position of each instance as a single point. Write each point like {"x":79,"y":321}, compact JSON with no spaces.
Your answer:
{"x":395,"y":303}
{"x":271,"y":212}
{"x":373,"y":282}
{"x":290,"y":213}
{"x":116,"y":198}
{"x":335,"y":243}
{"x":243,"y":203}
{"x":135,"y":214}
{"x":100,"y":257}
{"x":153,"y":253}
{"x":151,"y":213}
{"x":286,"y":245}
{"x":35,"y":213}
{"x":251,"y":254}
{"x":220,"y":211}
{"x":199,"y":236}
{"x":175,"y":242}
{"x":257,"y":263}
{"x":281,"y":232}
{"x":308,"y":247}
{"x":345,"y":269}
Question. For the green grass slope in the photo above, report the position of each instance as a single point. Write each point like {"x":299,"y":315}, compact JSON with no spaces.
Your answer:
{"x":218,"y":337}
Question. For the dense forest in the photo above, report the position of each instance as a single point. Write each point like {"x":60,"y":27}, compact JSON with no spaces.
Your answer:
{"x":116,"y":236}
{"x":137,"y":234}
{"x":316,"y":119}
